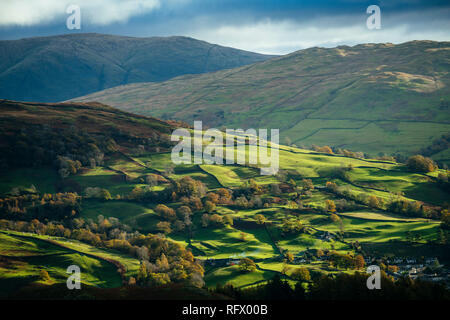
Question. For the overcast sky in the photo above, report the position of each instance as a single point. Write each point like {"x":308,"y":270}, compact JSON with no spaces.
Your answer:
{"x":270,"y":26}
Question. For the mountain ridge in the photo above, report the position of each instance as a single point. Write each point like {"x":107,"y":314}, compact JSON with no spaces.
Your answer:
{"x":56,"y":68}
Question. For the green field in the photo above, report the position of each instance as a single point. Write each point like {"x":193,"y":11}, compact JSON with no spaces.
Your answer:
{"x":379,"y":98}
{"x":22,"y":259}
{"x":378,"y":231}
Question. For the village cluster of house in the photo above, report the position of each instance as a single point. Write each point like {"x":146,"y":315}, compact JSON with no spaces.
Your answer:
{"x":427,"y":269}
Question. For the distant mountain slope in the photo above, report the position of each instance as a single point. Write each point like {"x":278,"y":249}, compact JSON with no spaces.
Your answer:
{"x":58,"y":68}
{"x":376,"y":98}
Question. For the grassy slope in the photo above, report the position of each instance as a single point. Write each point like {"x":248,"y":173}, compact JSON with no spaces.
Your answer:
{"x":22,"y":259}
{"x":368,"y":176}
{"x":372,"y":98}
{"x":368,"y":227}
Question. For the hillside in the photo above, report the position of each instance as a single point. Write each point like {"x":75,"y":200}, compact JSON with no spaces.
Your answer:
{"x":88,"y":184}
{"x":56,"y":68}
{"x":34,"y":134}
{"x":375,"y":98}
{"x":32,"y":254}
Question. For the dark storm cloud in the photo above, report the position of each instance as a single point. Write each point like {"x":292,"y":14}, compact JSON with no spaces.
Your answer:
{"x":266,"y":26}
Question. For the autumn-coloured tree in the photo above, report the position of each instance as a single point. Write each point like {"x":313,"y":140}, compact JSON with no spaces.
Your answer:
{"x":301,"y":274}
{"x":184,"y":211}
{"x":289,"y":256}
{"x":374,"y":201}
{"x":319,"y":253}
{"x":260,"y":219}
{"x":330,"y":206}
{"x":105,"y":195}
{"x":324,"y":149}
{"x":212,"y":197}
{"x":228,"y":220}
{"x":393,"y":268}
{"x":419,"y":163}
{"x":334,"y":218}
{"x":359,"y":262}
{"x":165,"y":212}
{"x":195,"y":203}
{"x":142,"y":274}
{"x":44,"y":276}
{"x":247,"y":265}
{"x":209,"y":206}
{"x":331,"y":186}
{"x":164,"y":227}
{"x":132,"y":281}
{"x":216,"y":219}
{"x":307,"y":184}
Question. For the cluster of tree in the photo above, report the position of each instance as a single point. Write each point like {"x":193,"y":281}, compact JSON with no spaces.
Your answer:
{"x":181,"y":219}
{"x":344,"y":204}
{"x":396,"y":204}
{"x":438,"y":145}
{"x":189,"y":191}
{"x":324,"y":149}
{"x":178,"y":221}
{"x":341,"y":172}
{"x":330,"y":206}
{"x":146,"y":194}
{"x":371,"y":201}
{"x":65,"y":148}
{"x":350,"y":154}
{"x":412,"y":209}
{"x":331,"y":186}
{"x":249,"y":189}
{"x":254,"y":202}
{"x":306,"y":185}
{"x":215,"y":220}
{"x":187,"y":187}
{"x":67,"y":166}
{"x":247,"y":265}
{"x":334,"y":218}
{"x":97,"y":193}
{"x":292,"y":226}
{"x":419,"y":163}
{"x":346,"y":261}
{"x":57,"y":206}
{"x":301,"y":274}
{"x":165,"y":261}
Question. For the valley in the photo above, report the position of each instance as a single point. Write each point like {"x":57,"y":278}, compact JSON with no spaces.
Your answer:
{"x":379,"y":99}
{"x":121,"y":206}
